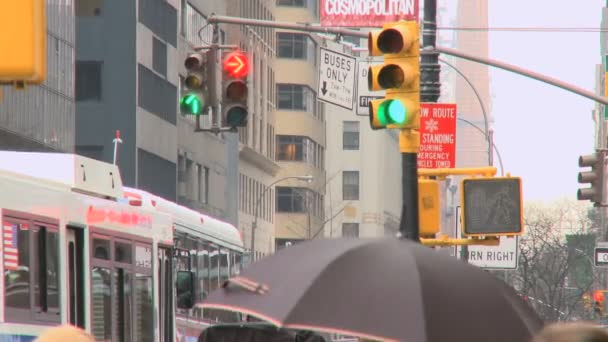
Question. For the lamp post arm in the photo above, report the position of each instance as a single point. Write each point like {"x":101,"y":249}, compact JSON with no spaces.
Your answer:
{"x":254,"y":225}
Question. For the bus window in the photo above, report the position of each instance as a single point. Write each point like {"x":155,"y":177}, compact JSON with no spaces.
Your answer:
{"x":144,"y":305}
{"x":224,"y":265}
{"x":101,"y":306}
{"x":214,"y":267}
{"x":236,"y":264}
{"x":203,"y":271}
{"x":31,"y":264}
{"x":47,"y":277}
{"x":16,"y":271}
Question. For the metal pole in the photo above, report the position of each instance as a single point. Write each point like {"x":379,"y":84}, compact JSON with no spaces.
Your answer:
{"x":430,"y":87}
{"x":429,"y":92}
{"x":522,"y":71}
{"x":308,"y":27}
{"x":408,"y":225}
{"x":214,"y":78}
{"x":428,"y":78}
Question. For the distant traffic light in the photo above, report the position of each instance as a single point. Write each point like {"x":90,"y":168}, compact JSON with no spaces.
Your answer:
{"x":429,"y":207}
{"x":234,"y":89}
{"x":193,"y":100}
{"x":595,"y":177}
{"x":492,"y":206}
{"x":598,"y":303}
{"x":23,"y":41}
{"x":399,"y":75}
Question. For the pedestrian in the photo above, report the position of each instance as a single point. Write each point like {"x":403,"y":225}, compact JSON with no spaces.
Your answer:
{"x":65,"y":333}
{"x":572,"y":332}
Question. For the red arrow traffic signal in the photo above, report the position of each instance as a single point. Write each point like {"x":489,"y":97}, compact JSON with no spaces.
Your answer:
{"x":236,"y":64}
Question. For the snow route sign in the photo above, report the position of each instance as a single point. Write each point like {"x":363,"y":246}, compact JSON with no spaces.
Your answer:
{"x":437,"y":136}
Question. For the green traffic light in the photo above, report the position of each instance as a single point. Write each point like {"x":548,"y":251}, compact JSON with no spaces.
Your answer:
{"x":392,"y":112}
{"x":190,"y":104}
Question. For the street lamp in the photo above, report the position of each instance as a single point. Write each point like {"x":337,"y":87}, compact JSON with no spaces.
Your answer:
{"x":307,"y":178}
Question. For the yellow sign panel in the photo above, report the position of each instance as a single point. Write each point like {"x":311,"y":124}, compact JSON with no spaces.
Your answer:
{"x":23,"y":41}
{"x":429,"y":207}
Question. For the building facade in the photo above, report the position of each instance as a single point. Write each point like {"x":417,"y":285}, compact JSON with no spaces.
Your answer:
{"x":363,"y":191}
{"x":300,"y":129}
{"x":256,"y":141}
{"x":132,"y":85}
{"x":41,"y":118}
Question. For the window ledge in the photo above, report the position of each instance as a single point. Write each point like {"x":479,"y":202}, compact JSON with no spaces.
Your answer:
{"x":262,"y":162}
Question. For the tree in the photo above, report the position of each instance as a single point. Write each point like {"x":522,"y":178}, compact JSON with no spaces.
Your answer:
{"x":555,"y":259}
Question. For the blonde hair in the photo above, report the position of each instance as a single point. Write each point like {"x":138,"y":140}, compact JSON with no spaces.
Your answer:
{"x":572,"y":332}
{"x":65,"y":333}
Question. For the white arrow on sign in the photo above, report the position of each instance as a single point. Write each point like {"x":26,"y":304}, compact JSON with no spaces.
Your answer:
{"x":336,"y":78}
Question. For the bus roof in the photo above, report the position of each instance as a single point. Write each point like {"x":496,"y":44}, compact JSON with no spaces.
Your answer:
{"x":79,"y":173}
{"x":190,"y":221}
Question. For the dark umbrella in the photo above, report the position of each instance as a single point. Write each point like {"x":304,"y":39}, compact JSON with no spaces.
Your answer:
{"x":382,"y":289}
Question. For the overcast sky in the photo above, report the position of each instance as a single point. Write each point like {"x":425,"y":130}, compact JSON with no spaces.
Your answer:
{"x":541,"y":130}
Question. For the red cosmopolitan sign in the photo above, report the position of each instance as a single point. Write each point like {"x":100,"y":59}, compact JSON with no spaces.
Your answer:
{"x":366,"y":13}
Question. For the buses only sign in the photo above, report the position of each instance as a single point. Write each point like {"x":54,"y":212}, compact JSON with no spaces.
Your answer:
{"x":437,"y":136}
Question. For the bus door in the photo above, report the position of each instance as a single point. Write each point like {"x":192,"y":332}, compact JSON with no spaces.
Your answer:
{"x":165,"y":292}
{"x":75,"y":274}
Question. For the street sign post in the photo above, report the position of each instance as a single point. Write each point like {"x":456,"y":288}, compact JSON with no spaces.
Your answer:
{"x":501,"y":257}
{"x":364,"y":95}
{"x":601,"y":256}
{"x":437,"y":135}
{"x":336,"y":78}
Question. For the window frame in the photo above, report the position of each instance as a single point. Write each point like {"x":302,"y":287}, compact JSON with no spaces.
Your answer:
{"x":32,"y":314}
{"x":348,"y":134}
{"x":354,"y":195}
{"x":113,"y":266}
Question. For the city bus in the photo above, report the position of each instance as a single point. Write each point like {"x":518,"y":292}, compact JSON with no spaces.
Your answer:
{"x":77,"y":247}
{"x":208,"y":251}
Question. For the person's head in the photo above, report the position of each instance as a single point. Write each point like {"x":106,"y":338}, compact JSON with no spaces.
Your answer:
{"x":572,"y":332}
{"x":65,"y":333}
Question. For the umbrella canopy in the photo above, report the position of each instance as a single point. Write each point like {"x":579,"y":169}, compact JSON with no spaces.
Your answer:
{"x":381,"y":289}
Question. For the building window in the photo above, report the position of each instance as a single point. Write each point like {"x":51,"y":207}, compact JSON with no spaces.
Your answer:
{"x":292,"y":45}
{"x":297,"y":46}
{"x":298,"y":148}
{"x":88,"y":80}
{"x":350,"y":135}
{"x":350,"y":230}
{"x":159,"y":56}
{"x":291,"y":200}
{"x":296,"y":97}
{"x":350,"y":185}
{"x":88,"y":8}
{"x":292,"y":3}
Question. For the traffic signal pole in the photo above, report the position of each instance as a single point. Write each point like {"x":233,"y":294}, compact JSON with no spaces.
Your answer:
{"x":409,"y":140}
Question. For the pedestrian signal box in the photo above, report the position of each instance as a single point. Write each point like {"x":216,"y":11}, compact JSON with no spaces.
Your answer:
{"x":429,"y":207}
{"x":492,"y":206}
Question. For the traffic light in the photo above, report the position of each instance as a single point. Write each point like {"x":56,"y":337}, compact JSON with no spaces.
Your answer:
{"x":399,"y":75}
{"x":23,"y":41}
{"x":492,"y":206}
{"x":595,"y":177}
{"x":598,"y":303}
{"x":429,"y":207}
{"x":192,"y":102}
{"x":234,"y":89}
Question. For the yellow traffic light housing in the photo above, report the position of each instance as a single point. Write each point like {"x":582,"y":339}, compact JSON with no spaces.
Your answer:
{"x":399,"y":75}
{"x":492,"y":206}
{"x":429,"y":207}
{"x":23,"y":41}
